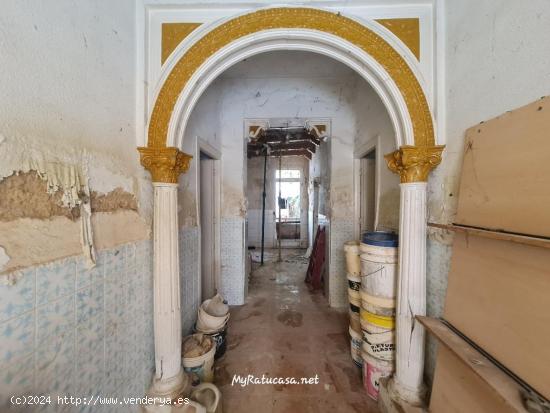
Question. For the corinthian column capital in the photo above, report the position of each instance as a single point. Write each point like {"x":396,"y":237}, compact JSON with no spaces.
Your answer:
{"x":165,"y":164}
{"x":414,"y":163}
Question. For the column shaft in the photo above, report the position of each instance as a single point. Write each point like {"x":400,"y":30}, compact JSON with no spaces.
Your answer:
{"x":411,"y":293}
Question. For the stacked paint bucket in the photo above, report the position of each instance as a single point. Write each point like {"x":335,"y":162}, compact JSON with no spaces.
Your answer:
{"x":377,"y":315}
{"x":353,"y":269}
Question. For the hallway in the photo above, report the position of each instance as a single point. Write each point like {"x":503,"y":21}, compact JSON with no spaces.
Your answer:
{"x":284,"y":330}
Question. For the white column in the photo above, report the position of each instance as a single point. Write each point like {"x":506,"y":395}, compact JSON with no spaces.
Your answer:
{"x":169,"y":380}
{"x":411,"y":294}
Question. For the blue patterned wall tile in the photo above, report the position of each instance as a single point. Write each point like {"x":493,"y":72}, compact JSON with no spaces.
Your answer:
{"x":115,"y":268}
{"x":17,"y":337}
{"x":89,"y":303}
{"x":55,"y":365}
{"x":55,"y":280}
{"x":18,"y":298}
{"x":90,"y":358}
{"x":85,"y":275}
{"x":54,"y":319}
{"x":16,"y":379}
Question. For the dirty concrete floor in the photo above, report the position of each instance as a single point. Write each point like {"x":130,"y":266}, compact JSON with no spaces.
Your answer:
{"x":284,"y":330}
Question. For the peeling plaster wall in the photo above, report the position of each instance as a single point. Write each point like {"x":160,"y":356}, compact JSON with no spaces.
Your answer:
{"x":70,"y":118}
{"x":496,"y":60}
{"x":70,"y":179}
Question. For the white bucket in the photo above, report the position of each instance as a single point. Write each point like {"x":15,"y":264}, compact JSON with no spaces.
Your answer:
{"x":353,"y":262}
{"x":354,"y":304}
{"x":373,"y":371}
{"x":354,"y":322}
{"x":354,"y":282}
{"x":356,"y":295}
{"x":355,"y":344}
{"x":379,"y":270}
{"x":377,"y":305}
{"x":378,"y":335}
{"x":201,"y":366}
{"x":380,"y":345}
{"x":208,"y":322}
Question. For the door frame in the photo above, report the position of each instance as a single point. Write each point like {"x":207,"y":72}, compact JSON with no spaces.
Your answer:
{"x":360,"y":152}
{"x":215,"y":154}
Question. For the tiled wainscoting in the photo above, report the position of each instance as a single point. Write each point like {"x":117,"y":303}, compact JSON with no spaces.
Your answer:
{"x":233,"y":278}
{"x":190,"y":277}
{"x":65,"y":329}
{"x":254,"y":219}
{"x":341,"y":231}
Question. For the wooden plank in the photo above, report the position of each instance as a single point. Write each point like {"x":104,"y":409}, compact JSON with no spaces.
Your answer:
{"x":504,"y":184}
{"x":498,"y":295}
{"x":456,"y":389}
{"x":520,"y":239}
{"x":493,"y":387}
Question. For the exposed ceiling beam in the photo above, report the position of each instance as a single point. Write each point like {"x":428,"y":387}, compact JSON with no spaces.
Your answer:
{"x":283,"y":152}
{"x":306,"y":144}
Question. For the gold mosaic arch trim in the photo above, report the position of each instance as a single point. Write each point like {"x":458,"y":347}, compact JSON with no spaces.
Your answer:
{"x":292,"y":18}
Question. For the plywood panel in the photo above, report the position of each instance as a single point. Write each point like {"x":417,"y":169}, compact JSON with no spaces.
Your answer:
{"x":498,"y":296}
{"x":504,"y":184}
{"x":457,"y":389}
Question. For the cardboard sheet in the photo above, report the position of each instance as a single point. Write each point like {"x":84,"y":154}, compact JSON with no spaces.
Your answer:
{"x":498,"y":296}
{"x":504,"y":184}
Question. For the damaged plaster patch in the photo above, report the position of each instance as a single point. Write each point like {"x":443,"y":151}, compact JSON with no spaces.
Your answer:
{"x":4,"y":258}
{"x":26,"y":195}
{"x":112,"y":201}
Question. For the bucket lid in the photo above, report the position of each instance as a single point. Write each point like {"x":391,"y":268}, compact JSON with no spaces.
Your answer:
{"x":381,"y":239}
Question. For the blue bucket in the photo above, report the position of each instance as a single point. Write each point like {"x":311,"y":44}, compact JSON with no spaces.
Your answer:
{"x":381,"y":239}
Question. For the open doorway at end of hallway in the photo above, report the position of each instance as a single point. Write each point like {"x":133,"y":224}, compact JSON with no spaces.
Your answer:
{"x":209,"y":210}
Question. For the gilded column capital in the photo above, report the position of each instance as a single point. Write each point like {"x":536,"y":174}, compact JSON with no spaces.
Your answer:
{"x":165,"y":164}
{"x":414,"y":163}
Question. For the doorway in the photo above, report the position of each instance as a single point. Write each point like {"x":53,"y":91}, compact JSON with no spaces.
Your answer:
{"x":368,"y":192}
{"x":208,"y":224}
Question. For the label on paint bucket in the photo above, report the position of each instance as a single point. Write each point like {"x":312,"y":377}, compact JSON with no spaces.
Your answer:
{"x":379,"y":345}
{"x":373,"y":371}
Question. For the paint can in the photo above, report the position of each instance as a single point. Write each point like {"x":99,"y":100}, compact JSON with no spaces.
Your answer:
{"x":354,"y":282}
{"x":373,"y":370}
{"x":220,"y":339}
{"x":354,"y":322}
{"x":378,"y":335}
{"x":379,"y":260}
{"x":354,"y":304}
{"x":355,"y":345}
{"x":353,"y":261}
{"x":377,"y":305}
{"x":200,"y":368}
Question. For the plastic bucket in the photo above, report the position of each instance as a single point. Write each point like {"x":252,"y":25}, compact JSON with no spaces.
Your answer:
{"x":355,"y":344}
{"x":379,"y":258}
{"x":220,"y":339}
{"x":373,"y":370}
{"x":202,"y":366}
{"x":353,"y":262}
{"x":354,"y":304}
{"x":376,"y":323}
{"x":356,"y":295}
{"x":208,"y":322}
{"x":354,"y":322}
{"x":354,"y":282}
{"x":378,"y":335}
{"x":377,"y":305}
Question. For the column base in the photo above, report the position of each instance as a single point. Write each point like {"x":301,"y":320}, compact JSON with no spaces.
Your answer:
{"x":174,"y":387}
{"x":392,"y":399}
